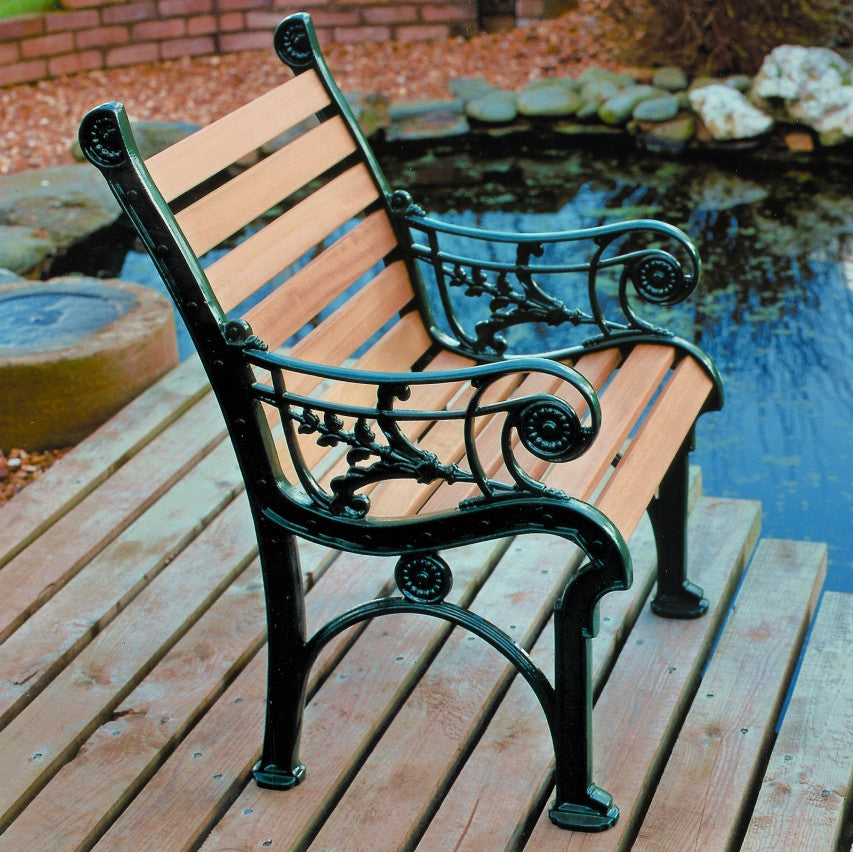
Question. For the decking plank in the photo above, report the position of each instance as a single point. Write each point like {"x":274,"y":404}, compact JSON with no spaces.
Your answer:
{"x":98,"y":456}
{"x":86,"y":795}
{"x":807,"y":783}
{"x":703,"y":797}
{"x":192,"y":807}
{"x":51,"y":728}
{"x":636,"y":719}
{"x":82,"y":608}
{"x":509,"y":775}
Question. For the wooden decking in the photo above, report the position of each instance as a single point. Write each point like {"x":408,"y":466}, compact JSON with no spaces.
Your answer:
{"x":132,"y":678}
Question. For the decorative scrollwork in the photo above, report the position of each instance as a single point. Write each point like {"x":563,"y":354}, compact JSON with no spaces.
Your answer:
{"x":402,"y":204}
{"x":293,"y":44}
{"x":511,"y":304}
{"x":659,"y":279}
{"x":424,"y":578}
{"x":101,"y":140}
{"x":397,"y":458}
{"x":551,"y":430}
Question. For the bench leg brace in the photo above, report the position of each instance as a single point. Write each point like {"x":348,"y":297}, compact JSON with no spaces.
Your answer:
{"x":579,"y":803}
{"x":677,"y":597}
{"x":287,"y":668}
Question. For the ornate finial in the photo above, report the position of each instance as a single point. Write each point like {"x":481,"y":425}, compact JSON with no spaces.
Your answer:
{"x":293,"y":43}
{"x":659,"y":279}
{"x":426,"y":579}
{"x":402,"y":204}
{"x":238,"y":333}
{"x":100,"y":139}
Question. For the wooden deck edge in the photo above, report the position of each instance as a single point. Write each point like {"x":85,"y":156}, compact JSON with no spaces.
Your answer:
{"x":701,"y":801}
{"x":82,"y":470}
{"x":805,"y":797}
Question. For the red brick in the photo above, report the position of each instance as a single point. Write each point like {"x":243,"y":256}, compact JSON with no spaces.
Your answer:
{"x":288,"y":6}
{"x":231,"y":22}
{"x":176,"y":48}
{"x":171,"y":28}
{"x":262,"y":20}
{"x":175,"y":8}
{"x":86,"y":4}
{"x":391,"y":15}
{"x":131,"y":54}
{"x":202,"y":25}
{"x":103,"y":37}
{"x":20,"y":28}
{"x":231,"y":42}
{"x":9,"y":53}
{"x":24,"y":72}
{"x":448,"y":12}
{"x":242,"y":5}
{"x":351,"y":35}
{"x":530,"y":9}
{"x":71,"y":63}
{"x":421,"y":33}
{"x":65,"y":21}
{"x":47,"y":45}
{"x":336,"y":19}
{"x":130,"y":12}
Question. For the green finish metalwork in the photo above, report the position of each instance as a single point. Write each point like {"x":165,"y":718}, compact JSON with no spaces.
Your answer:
{"x":377,"y":447}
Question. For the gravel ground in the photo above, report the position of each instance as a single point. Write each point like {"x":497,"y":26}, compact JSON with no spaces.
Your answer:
{"x":39,"y":121}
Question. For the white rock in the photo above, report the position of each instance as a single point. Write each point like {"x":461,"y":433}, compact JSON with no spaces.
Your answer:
{"x":815,"y":83}
{"x":727,"y":113}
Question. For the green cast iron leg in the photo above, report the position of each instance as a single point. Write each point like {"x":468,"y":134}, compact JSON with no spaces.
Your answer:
{"x":579,"y":804}
{"x":677,"y":597}
{"x":287,"y":668}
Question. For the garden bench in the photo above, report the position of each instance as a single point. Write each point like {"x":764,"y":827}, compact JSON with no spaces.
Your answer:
{"x":370,"y":411}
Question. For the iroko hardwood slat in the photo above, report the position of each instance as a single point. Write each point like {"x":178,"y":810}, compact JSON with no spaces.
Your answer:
{"x":187,"y":163}
{"x":265,"y":254}
{"x":227,"y":209}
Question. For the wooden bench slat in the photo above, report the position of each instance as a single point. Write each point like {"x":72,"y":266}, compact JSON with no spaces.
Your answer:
{"x":801,"y":802}
{"x":636,"y":719}
{"x":319,"y":282}
{"x":35,"y":574}
{"x":224,"y":211}
{"x":198,"y":157}
{"x":98,"y":456}
{"x":265,"y":254}
{"x":705,"y":791}
{"x":76,"y":612}
{"x":634,"y":482}
{"x":63,"y":715}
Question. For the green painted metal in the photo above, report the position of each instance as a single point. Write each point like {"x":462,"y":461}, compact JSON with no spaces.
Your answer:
{"x":378,"y":449}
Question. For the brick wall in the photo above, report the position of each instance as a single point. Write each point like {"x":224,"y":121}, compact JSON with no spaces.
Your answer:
{"x":89,"y":34}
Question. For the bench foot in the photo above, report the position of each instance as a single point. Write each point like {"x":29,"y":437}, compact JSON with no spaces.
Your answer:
{"x":686,"y":603}
{"x":277,"y":778}
{"x":595,"y":815}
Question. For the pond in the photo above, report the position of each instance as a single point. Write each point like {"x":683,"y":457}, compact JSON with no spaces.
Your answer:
{"x":774,"y":308}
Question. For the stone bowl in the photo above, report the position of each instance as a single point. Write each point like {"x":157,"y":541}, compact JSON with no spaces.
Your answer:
{"x":73,"y":351}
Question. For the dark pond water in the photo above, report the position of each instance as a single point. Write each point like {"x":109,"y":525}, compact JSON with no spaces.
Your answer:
{"x":774,"y":309}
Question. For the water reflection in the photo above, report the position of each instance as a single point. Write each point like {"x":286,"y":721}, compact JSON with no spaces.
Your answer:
{"x":773,"y":309}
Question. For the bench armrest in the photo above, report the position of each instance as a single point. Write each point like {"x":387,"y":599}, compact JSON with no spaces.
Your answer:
{"x":658,"y":260}
{"x":546,"y":424}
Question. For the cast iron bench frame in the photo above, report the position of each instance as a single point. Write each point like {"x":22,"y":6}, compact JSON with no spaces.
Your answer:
{"x":288,"y":500}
